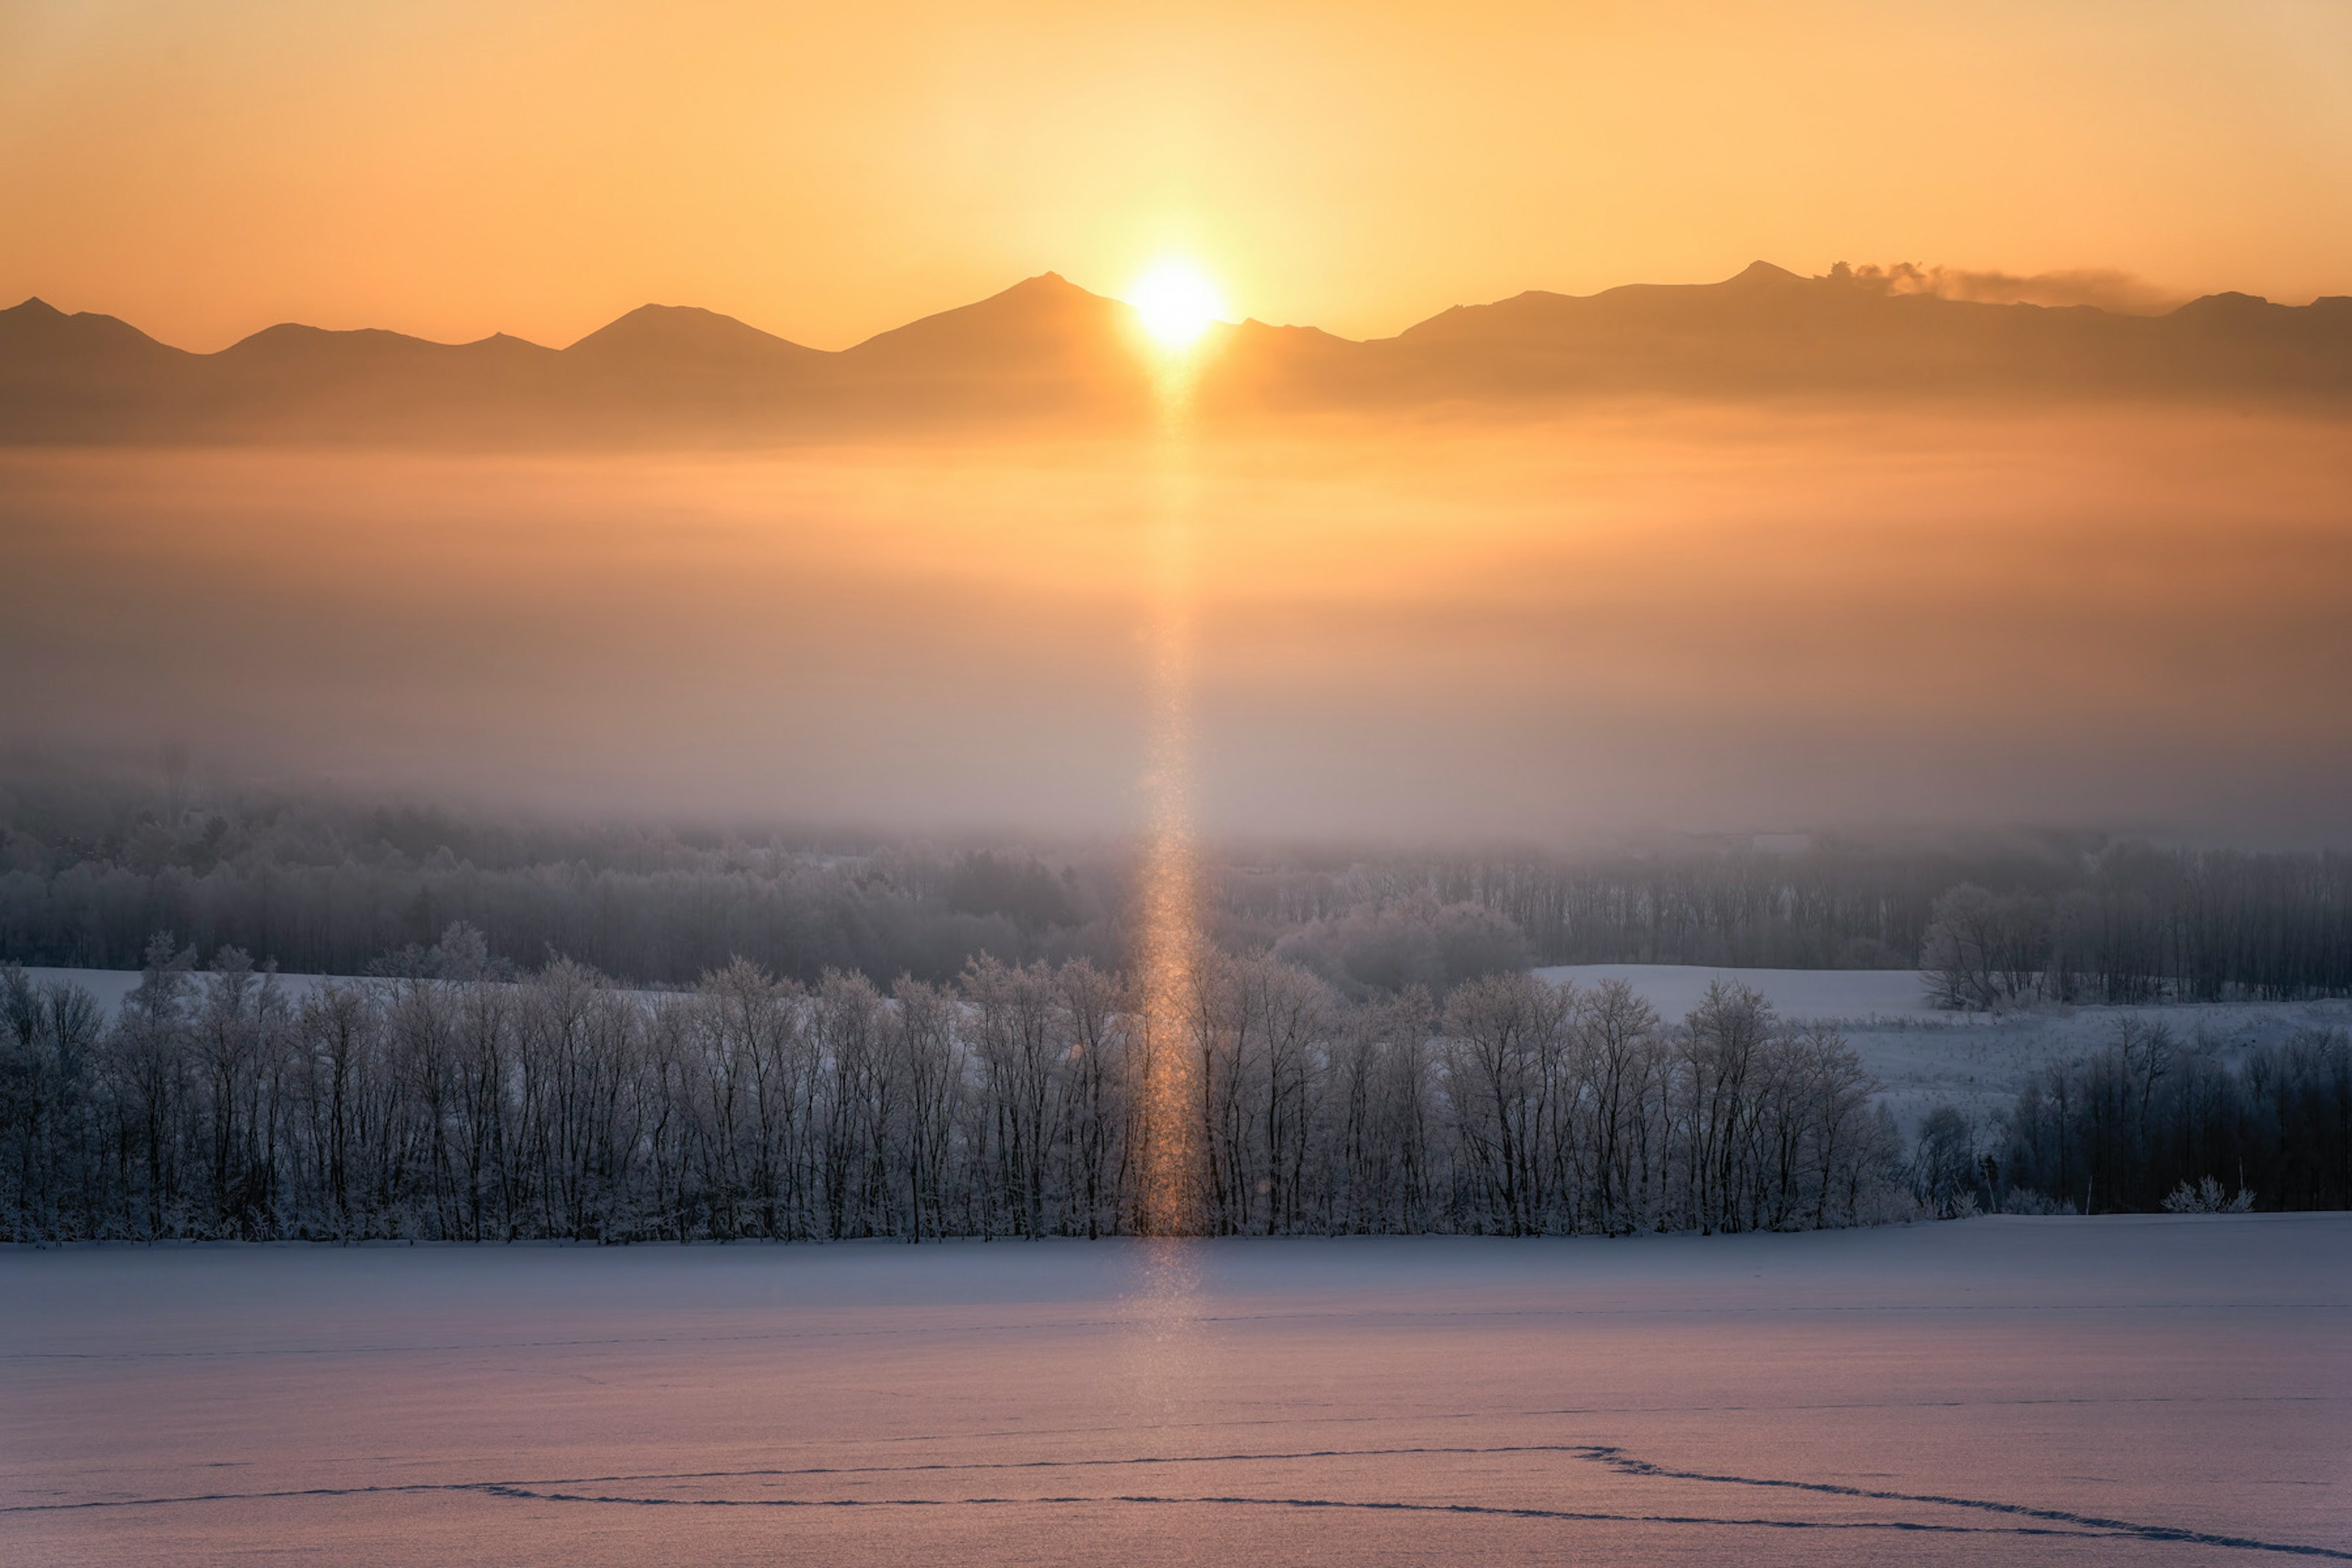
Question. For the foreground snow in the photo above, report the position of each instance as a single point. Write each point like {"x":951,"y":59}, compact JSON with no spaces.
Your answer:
{"x":2172,"y":1391}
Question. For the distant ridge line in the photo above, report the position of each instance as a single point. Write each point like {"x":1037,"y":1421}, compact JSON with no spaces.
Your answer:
{"x":1046,"y":350}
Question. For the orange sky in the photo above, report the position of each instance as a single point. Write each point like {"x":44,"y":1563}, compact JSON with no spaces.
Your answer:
{"x":455,"y":167}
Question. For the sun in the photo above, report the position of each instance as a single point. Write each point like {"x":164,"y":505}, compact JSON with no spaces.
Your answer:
{"x":1177,"y":302}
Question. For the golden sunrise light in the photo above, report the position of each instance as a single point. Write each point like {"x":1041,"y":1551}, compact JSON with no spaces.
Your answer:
{"x":1482,"y":723}
{"x":1177,"y":304}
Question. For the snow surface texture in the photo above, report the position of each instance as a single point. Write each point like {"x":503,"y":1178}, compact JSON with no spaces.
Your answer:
{"x":2165,"y":1390}
{"x":1975,"y":1061}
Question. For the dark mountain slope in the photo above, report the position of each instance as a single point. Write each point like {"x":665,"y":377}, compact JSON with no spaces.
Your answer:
{"x":63,"y":377}
{"x":1771,"y":332}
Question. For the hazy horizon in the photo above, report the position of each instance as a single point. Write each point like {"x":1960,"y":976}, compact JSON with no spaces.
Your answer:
{"x":2109,"y":288}
{"x":1656,"y":617}
{"x":1176,"y":783}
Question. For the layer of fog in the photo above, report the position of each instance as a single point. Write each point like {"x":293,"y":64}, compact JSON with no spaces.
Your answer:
{"x":1655,"y":618}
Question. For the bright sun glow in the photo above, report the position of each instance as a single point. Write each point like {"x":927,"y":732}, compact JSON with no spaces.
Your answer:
{"x":1177,"y":302}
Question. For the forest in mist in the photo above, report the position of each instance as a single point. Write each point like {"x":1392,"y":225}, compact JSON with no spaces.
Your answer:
{"x":313,"y":881}
{"x":815,"y":1037}
{"x":730,"y":843}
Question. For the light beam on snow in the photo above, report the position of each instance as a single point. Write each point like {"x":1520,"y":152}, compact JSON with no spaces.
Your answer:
{"x":1170,"y":924}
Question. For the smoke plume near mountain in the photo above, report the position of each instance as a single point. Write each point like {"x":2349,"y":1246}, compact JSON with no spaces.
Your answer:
{"x":2101,"y":288}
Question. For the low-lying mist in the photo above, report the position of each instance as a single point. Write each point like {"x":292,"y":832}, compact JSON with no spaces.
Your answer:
{"x":1613,"y":622}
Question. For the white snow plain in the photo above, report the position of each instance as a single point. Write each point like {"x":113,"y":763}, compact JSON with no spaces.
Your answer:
{"x":1674,"y":989}
{"x":108,"y":987}
{"x":1924,"y":1058}
{"x":2166,"y":1390}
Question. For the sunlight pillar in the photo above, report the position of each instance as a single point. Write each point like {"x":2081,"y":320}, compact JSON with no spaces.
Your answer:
{"x":1171,"y":1122}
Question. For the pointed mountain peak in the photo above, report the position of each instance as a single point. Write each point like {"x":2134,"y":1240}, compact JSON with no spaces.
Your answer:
{"x":683,"y":330}
{"x":1047,"y":290}
{"x":1763,"y":275}
{"x":38,"y":327}
{"x":1047,"y":313}
{"x":672,"y":315}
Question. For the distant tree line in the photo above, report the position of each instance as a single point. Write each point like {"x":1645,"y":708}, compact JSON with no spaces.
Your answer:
{"x":89,"y":866}
{"x":2207,"y":927}
{"x":556,"y":1104}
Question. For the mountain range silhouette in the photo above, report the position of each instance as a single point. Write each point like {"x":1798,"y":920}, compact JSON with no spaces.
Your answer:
{"x":1045,"y":349}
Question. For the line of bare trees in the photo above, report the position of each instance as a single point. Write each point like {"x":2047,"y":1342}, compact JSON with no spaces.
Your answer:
{"x":2151,"y":1120}
{"x":555,"y":1104}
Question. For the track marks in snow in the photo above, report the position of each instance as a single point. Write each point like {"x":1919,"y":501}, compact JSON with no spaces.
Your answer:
{"x":2018,"y":1519}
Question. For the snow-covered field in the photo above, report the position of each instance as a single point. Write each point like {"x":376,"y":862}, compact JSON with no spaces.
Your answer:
{"x":2168,"y":1391}
{"x":110,"y":986}
{"x":1926,"y":1058}
{"x":1674,"y":989}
